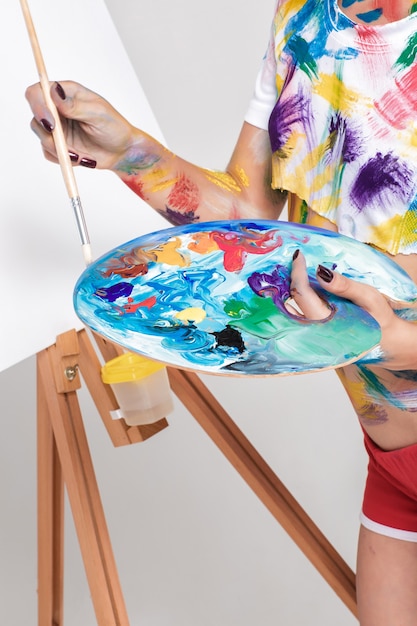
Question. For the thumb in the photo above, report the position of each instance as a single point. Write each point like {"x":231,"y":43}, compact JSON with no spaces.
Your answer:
{"x":361,"y":294}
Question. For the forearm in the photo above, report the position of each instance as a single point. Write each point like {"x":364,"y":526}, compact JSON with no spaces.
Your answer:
{"x":186,"y":193}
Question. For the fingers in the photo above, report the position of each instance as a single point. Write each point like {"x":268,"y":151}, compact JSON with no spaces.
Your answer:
{"x":312,"y":306}
{"x":44,"y":123}
{"x":65,"y":95}
{"x":363,"y":295}
{"x":42,"y":114}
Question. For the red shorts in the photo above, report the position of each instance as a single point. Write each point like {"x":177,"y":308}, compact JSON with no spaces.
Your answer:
{"x":390,"y":499}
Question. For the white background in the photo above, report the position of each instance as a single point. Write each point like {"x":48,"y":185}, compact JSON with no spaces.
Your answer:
{"x":193,"y":545}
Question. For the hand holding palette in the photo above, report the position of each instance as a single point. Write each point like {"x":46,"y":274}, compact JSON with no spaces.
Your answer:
{"x":211,"y":297}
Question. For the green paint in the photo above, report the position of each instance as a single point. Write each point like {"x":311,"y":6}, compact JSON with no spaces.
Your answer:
{"x":301,"y":52}
{"x":377,"y":390}
{"x":408,"y":56}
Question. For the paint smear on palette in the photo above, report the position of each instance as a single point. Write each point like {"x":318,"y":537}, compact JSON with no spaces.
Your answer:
{"x":210,"y":297}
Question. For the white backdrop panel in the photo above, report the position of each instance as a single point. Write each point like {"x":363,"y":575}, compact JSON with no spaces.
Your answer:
{"x":40,"y":252}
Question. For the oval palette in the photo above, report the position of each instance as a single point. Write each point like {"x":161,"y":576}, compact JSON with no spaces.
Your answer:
{"x":211,"y":297}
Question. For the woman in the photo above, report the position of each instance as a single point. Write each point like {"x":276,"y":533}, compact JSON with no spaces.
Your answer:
{"x":331,"y":124}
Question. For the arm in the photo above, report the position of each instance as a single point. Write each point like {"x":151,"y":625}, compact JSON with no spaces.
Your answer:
{"x":98,"y":136}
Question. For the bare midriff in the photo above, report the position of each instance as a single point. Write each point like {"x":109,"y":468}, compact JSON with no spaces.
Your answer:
{"x":385,"y":401}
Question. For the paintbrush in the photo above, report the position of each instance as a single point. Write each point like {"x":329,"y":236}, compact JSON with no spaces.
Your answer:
{"x":59,"y":137}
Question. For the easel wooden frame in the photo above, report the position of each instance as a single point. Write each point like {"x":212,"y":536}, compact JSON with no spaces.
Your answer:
{"x":64,"y":457}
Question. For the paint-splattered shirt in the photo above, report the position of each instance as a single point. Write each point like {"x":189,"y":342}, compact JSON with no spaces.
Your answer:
{"x":340,"y":102}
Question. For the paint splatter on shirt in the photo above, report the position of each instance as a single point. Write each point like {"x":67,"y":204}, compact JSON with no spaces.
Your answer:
{"x":340,"y":102}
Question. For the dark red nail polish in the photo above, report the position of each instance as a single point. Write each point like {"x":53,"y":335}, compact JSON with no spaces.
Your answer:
{"x":74,"y":157}
{"x":60,"y":91}
{"x":47,"y":125}
{"x":325,"y":274}
{"x":88,"y":163}
{"x":295,"y":255}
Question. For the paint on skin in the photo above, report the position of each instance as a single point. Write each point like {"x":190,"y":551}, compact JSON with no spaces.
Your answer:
{"x":184,"y":196}
{"x":178,"y":218}
{"x":378,"y":393}
{"x":391,"y":11}
{"x":136,"y":185}
{"x":370,"y":16}
{"x":137,"y":160}
{"x":369,"y":412}
{"x":223,"y":180}
{"x":241,"y":176}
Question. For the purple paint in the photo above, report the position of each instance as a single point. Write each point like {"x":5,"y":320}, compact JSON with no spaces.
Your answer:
{"x":380,"y":181}
{"x":119,"y":290}
{"x":178,"y":218}
{"x":275,"y":285}
{"x":341,"y":131}
{"x":284,"y":116}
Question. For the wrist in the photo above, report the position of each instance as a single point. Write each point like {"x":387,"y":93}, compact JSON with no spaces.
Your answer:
{"x":142,"y":154}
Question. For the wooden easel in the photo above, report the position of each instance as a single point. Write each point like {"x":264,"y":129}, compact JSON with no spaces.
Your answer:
{"x":64,"y":457}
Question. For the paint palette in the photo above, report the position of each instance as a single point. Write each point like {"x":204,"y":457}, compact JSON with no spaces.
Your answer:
{"x":211,"y":297}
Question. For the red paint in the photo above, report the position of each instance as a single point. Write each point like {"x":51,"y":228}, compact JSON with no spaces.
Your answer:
{"x":399,"y":105}
{"x":136,"y":185}
{"x":132,"y":308}
{"x":236,"y":247}
{"x":184,"y":196}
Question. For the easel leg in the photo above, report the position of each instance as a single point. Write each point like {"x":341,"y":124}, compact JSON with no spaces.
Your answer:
{"x":68,"y":433}
{"x":50,"y":521}
{"x":208,"y":412}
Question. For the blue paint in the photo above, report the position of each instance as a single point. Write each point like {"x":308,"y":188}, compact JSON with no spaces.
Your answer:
{"x":241,"y":332}
{"x":370,"y":16}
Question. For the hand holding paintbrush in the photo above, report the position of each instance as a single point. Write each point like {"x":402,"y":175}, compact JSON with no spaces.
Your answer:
{"x":59,"y":137}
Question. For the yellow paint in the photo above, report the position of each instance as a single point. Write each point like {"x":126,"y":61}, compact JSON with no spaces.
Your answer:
{"x":164,"y":184}
{"x":241,"y":175}
{"x":356,"y":389}
{"x":191,"y":314}
{"x":335,"y":92}
{"x":156,"y":177}
{"x":298,"y":181}
{"x":357,"y":392}
{"x":397,"y":230}
{"x":203,"y":243}
{"x":168,"y":253}
{"x":223,"y":180}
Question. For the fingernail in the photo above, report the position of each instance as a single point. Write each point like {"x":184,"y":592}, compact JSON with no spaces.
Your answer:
{"x":47,"y":125}
{"x":325,"y":274}
{"x":60,"y":91}
{"x":88,"y":163}
{"x":74,"y":157}
{"x":295,"y":255}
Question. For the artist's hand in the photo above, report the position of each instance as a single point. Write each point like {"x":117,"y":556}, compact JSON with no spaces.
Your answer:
{"x":96,"y":134}
{"x":398,"y":346}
